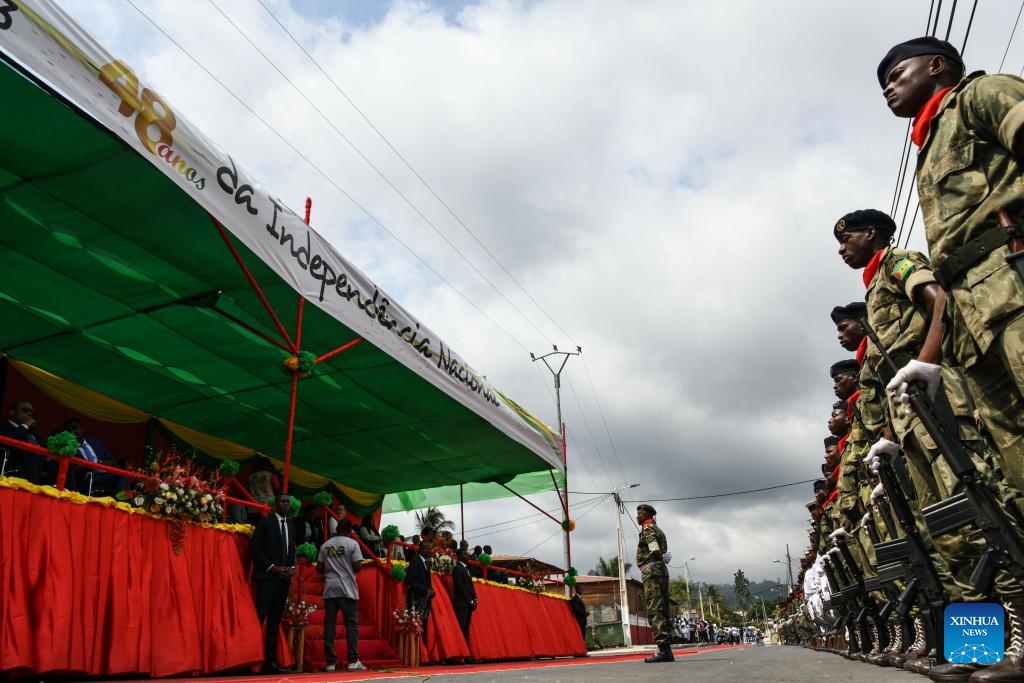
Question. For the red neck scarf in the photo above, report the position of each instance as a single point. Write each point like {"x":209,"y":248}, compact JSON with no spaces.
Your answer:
{"x":924,"y":117}
{"x":831,"y":497}
{"x":835,"y":472}
{"x":842,"y":443}
{"x":850,"y":403}
{"x":871,"y":269}
{"x":646,"y":522}
{"x":862,"y":351}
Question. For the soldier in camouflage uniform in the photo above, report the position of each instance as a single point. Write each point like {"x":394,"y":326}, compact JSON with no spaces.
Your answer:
{"x":650,"y":557}
{"x":904,"y":307}
{"x":969,"y":131}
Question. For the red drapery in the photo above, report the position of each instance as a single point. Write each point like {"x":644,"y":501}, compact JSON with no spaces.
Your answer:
{"x":94,"y":590}
{"x":509,"y":623}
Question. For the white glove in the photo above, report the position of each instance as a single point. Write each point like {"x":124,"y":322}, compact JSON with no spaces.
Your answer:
{"x":865,"y":519}
{"x":913,"y":371}
{"x":882,"y":447}
{"x":838,"y":532}
{"x":667,"y":556}
{"x":877,"y":492}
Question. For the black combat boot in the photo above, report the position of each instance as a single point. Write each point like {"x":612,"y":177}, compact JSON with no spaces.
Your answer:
{"x":664,"y":654}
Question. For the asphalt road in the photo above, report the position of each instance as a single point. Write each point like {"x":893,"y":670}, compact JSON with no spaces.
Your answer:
{"x":741,"y":664}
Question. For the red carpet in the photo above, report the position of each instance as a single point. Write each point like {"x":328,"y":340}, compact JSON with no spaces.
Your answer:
{"x":422,"y":671}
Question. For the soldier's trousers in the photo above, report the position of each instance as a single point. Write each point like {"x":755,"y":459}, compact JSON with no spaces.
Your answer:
{"x":996,"y":382}
{"x":655,"y":579}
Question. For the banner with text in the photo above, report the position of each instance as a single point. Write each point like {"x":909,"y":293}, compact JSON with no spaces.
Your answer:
{"x":42,"y":38}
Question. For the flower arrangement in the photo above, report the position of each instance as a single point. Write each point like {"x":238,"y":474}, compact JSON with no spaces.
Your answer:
{"x":389,"y":533}
{"x":176,"y":491}
{"x":398,"y":572}
{"x":297,"y":612}
{"x":570,"y":577}
{"x":323,"y":498}
{"x":408,"y":620}
{"x":484,"y":559}
{"x":442,"y":564}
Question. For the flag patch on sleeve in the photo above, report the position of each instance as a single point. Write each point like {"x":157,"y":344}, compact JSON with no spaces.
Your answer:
{"x":903,"y":269}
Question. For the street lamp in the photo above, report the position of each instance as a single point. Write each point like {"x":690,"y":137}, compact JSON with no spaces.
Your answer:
{"x":627,"y":638}
{"x":700,"y":594}
{"x":763,"y":614}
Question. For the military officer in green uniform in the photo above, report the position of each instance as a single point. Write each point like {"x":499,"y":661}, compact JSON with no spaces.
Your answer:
{"x":650,"y":557}
{"x":970,"y":132}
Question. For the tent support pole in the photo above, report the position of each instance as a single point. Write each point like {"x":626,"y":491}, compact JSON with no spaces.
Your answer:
{"x":543,"y":512}
{"x":462,"y":514}
{"x":255,"y":285}
{"x":335,"y":352}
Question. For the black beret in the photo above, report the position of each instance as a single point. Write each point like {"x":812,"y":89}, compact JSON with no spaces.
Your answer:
{"x":915,"y":47}
{"x":862,"y":219}
{"x":819,"y":484}
{"x":851,"y":311}
{"x":649,"y":509}
{"x":831,"y":440}
{"x":848,"y":365}
{"x":839,"y":405}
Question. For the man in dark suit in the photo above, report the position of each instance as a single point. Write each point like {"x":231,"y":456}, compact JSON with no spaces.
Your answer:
{"x":21,"y":425}
{"x":273,"y":556}
{"x":463,"y":593}
{"x":92,"y":449}
{"x":418,"y":591}
{"x":579,"y":610}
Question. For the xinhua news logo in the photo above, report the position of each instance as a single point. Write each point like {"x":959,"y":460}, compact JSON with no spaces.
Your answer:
{"x":973,"y":632}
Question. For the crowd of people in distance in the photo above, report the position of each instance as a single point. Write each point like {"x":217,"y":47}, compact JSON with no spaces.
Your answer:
{"x":919,"y":505}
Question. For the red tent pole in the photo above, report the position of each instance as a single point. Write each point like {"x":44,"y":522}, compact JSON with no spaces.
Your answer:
{"x":252,"y":281}
{"x":462,"y":513}
{"x":543,"y":512}
{"x":295,"y":373}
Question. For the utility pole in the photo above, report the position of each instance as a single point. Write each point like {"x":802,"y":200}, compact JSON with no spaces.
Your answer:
{"x":564,"y":499}
{"x":620,"y":509}
{"x":789,"y":570}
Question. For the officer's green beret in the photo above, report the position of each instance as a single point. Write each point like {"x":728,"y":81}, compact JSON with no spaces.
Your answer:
{"x":851,"y":311}
{"x":862,"y":219}
{"x":848,"y":365}
{"x":915,"y":47}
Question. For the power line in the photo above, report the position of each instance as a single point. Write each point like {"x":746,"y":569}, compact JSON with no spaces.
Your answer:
{"x":600,"y":410}
{"x":534,"y":547}
{"x":377,"y":170}
{"x":970,"y":22}
{"x":586,"y":423}
{"x":1012,"y":33}
{"x":414,"y":171}
{"x":720,"y":495}
{"x":330,"y":180}
{"x":949,"y":26}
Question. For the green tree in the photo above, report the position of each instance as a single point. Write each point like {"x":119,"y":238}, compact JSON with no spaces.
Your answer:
{"x":433,"y":518}
{"x":713,"y":600}
{"x":608,"y":567}
{"x":741,"y":584}
{"x":677,"y":590}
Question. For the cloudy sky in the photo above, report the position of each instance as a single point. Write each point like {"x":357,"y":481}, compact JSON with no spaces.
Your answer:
{"x":660,"y":179}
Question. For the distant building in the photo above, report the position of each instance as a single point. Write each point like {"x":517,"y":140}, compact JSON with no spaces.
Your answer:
{"x":601,"y":595}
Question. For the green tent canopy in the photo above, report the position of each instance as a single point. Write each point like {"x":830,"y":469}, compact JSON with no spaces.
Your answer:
{"x":115,"y":278}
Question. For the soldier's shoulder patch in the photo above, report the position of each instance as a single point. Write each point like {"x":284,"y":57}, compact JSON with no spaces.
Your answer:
{"x":903,"y":268}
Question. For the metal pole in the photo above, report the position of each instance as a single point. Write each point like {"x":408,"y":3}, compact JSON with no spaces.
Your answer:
{"x":561,"y":430}
{"x":686,"y":566}
{"x":627,"y":636}
{"x":789,"y":571}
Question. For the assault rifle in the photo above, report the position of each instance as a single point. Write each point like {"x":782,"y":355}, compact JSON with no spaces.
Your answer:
{"x":977,"y":504}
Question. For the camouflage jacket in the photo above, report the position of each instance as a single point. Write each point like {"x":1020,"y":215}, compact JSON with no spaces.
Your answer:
{"x":651,"y":539}
{"x":901,"y":325}
{"x":967,"y":169}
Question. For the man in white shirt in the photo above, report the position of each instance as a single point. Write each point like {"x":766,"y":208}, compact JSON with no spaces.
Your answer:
{"x":339,"y":560}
